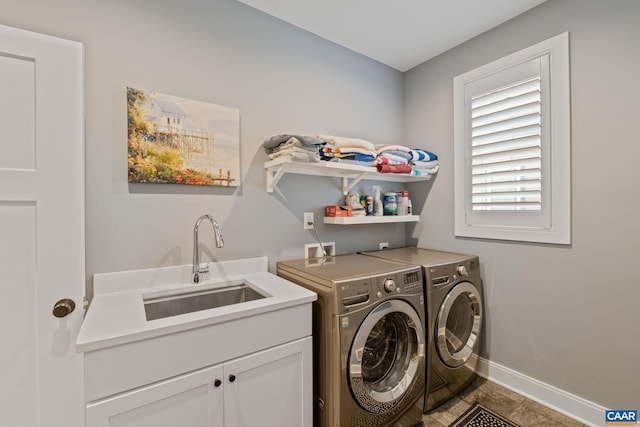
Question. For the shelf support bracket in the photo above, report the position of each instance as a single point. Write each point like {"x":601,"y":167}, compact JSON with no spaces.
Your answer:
{"x":346,"y":186}
{"x":273,"y":176}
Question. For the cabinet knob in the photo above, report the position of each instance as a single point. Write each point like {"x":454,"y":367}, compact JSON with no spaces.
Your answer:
{"x":217,"y":383}
{"x":232,"y":378}
{"x":63,"y":308}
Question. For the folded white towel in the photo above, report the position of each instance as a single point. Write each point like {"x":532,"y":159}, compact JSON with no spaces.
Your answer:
{"x":425,"y":172}
{"x":392,"y":147}
{"x":424,"y":165}
{"x":340,"y":141}
{"x":296,"y":154}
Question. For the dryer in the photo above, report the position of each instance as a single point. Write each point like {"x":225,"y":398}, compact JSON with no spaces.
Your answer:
{"x":453,"y":289}
{"x":369,"y":339}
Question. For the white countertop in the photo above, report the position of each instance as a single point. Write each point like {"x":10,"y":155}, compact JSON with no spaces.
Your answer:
{"x":116,"y":315}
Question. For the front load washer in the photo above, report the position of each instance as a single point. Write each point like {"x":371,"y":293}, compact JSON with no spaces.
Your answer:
{"x":453,"y":289}
{"x":369,"y":342}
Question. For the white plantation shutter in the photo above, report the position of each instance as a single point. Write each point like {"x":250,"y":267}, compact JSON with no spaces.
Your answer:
{"x":506,"y":148}
{"x":512,"y":146}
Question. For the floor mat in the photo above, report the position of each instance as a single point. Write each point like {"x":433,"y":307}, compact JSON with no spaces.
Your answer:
{"x":479,"y":416}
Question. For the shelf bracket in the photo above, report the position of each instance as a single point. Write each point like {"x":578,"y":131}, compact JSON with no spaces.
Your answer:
{"x":346,"y":186}
{"x":273,"y":176}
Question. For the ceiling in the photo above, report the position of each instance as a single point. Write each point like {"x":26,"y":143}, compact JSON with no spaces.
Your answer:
{"x":400,"y":34}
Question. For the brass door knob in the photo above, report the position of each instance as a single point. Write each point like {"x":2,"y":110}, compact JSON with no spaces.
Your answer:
{"x":64,"y":307}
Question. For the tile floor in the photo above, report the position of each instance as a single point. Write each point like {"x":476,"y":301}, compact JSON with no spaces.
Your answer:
{"x":517,"y":408}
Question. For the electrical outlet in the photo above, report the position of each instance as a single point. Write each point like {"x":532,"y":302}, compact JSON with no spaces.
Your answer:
{"x":308,"y":220}
{"x":383,"y":245}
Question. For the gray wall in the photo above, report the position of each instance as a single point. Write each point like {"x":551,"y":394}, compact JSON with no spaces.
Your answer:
{"x":282,"y":79}
{"x":565,"y":315}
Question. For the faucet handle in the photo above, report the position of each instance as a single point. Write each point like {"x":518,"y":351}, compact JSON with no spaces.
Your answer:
{"x":198,"y":271}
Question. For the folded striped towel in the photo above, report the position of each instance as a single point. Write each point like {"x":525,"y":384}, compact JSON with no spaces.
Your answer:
{"x":423,"y":155}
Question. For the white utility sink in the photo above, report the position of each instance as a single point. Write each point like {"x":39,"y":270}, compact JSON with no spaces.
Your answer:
{"x":158,"y":305}
{"x":146,"y":328}
{"x":134,"y":305}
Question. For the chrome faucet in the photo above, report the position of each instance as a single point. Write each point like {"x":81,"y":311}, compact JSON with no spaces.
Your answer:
{"x":197,"y":270}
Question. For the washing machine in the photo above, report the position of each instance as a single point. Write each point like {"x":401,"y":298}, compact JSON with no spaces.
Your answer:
{"x":369,"y":340}
{"x":453,"y":290}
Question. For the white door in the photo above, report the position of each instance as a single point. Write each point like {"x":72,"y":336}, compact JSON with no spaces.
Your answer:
{"x":41,"y":229}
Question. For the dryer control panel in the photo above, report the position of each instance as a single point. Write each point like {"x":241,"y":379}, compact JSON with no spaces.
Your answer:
{"x":357,"y":292}
{"x":403,"y":282}
{"x":440,"y":275}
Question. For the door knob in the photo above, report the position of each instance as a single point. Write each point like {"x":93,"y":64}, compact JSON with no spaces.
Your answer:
{"x":64,"y":307}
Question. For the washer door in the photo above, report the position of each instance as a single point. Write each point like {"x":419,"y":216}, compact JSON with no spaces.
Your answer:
{"x":385,"y":355}
{"x":458,"y":324}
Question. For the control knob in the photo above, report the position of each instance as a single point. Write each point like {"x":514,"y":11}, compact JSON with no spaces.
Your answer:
{"x":389,"y":285}
{"x":462,"y":270}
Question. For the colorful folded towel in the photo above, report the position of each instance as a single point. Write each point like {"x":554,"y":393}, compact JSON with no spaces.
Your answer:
{"x":394,"y":168}
{"x":384,"y":160}
{"x":392,"y":159}
{"x":346,"y":150}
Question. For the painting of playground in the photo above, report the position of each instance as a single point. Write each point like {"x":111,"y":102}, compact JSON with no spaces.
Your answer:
{"x":174,"y":140}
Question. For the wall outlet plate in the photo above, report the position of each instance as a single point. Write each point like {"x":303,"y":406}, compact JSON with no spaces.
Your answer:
{"x":383,"y":245}
{"x":307,"y":220}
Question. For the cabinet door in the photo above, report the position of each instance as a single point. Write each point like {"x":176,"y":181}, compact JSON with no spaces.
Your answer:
{"x":193,"y":400}
{"x":270,"y":388}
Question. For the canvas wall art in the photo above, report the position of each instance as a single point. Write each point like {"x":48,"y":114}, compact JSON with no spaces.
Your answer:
{"x":173,"y":140}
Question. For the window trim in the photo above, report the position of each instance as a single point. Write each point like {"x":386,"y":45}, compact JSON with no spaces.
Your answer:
{"x":556,"y":157}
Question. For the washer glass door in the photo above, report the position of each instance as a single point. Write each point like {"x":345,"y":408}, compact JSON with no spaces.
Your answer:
{"x":458,"y":324}
{"x":386,"y":353}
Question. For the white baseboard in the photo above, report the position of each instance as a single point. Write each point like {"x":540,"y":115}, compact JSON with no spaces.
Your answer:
{"x":552,"y":397}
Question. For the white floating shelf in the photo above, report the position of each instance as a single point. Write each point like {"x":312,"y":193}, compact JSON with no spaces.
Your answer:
{"x":350,"y":220}
{"x":277,"y":168}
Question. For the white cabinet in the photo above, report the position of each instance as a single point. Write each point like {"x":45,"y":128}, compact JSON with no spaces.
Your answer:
{"x":267,"y":388}
{"x":188,"y":400}
{"x":271,"y":388}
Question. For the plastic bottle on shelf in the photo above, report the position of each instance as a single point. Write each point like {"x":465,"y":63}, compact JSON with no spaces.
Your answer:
{"x":377,"y":202}
{"x":403,"y":203}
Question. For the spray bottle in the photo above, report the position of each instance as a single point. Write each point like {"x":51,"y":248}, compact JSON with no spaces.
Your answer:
{"x":377,"y":202}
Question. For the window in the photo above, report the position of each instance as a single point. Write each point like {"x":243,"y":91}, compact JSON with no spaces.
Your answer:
{"x":512,"y":147}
